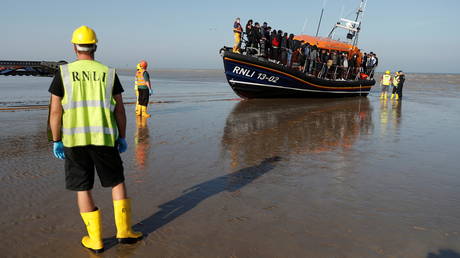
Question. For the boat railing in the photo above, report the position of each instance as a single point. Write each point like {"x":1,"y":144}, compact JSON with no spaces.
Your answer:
{"x":358,"y":72}
{"x":371,"y":73}
{"x":316,"y":69}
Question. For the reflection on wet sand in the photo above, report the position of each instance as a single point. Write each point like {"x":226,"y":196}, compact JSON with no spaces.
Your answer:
{"x":141,"y":142}
{"x":257,"y":128}
{"x":390,"y":115}
{"x":396,"y":114}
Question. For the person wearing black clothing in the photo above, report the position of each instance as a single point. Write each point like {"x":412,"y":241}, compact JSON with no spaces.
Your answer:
{"x":364,"y":64}
{"x":306,"y":53}
{"x":268,"y":41}
{"x":334,"y":57}
{"x":257,"y":35}
{"x":324,"y":57}
{"x":249,"y":33}
{"x":284,"y":49}
{"x":291,"y":47}
{"x":313,"y":57}
{"x":352,"y":63}
{"x":402,"y":79}
{"x":302,"y":56}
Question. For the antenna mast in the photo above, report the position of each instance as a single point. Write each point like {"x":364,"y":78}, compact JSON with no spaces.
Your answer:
{"x":319,"y":23}
{"x":353,"y":27}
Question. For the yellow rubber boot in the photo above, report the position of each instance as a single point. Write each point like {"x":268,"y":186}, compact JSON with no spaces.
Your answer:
{"x":397,"y":96}
{"x":93,"y":225}
{"x":122,"y":211}
{"x":392,"y":96}
{"x":144,"y":112}
{"x":385,"y":96}
{"x":138,"y":109}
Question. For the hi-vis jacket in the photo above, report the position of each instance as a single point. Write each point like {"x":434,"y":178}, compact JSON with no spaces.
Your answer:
{"x":140,"y":81}
{"x":88,"y":104}
{"x":386,"y":79}
{"x":396,"y":80}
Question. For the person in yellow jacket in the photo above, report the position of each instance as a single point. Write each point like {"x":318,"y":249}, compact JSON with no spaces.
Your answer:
{"x":385,"y":82}
{"x":88,"y":124}
{"x":237,"y":31}
{"x":394,"y":93}
{"x":144,"y":88}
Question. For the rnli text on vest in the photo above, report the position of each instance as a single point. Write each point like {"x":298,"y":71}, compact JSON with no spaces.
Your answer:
{"x":88,"y":76}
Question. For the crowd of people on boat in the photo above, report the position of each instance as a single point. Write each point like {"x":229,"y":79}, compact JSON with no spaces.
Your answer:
{"x":282,"y":48}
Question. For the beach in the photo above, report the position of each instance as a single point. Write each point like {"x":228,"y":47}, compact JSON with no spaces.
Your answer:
{"x":212,"y":175}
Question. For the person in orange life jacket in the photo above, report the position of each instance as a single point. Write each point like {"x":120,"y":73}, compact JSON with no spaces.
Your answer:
{"x":88,"y":125}
{"x":144,"y":88}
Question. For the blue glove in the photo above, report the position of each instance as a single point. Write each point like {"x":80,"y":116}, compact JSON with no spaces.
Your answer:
{"x":150,"y":92}
{"x":58,"y":150}
{"x":122,"y":145}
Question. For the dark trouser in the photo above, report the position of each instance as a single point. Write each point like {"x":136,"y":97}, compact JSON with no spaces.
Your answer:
{"x":275,"y":53}
{"x":143,"y":97}
{"x":302,"y":60}
{"x":307,"y":65}
{"x":395,"y":90}
{"x":283,"y":56}
{"x":399,"y":90}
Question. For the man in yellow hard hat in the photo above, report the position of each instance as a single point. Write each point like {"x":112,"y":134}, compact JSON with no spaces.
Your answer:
{"x":144,"y":88}
{"x":88,"y":124}
{"x":385,"y":82}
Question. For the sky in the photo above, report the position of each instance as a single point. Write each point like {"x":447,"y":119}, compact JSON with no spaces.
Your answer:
{"x":409,"y":35}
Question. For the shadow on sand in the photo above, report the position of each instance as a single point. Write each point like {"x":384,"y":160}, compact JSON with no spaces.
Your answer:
{"x":444,"y":253}
{"x":193,"y":196}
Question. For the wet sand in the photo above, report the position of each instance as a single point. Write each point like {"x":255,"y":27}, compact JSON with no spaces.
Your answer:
{"x":266,"y":178}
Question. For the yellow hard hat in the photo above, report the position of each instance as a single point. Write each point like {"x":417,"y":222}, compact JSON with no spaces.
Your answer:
{"x":388,"y":72}
{"x":84,"y":35}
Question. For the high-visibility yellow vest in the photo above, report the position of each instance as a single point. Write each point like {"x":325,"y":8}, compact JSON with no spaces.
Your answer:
{"x":396,"y":80}
{"x":386,"y":80}
{"x":140,"y":77}
{"x":88,"y":104}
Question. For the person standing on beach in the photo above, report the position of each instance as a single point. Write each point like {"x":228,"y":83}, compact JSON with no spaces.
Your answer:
{"x":144,"y":88}
{"x":402,"y":79}
{"x":237,"y":31}
{"x":395,"y":86}
{"x":385,"y":82}
{"x":88,"y":124}
{"x":138,"y":107}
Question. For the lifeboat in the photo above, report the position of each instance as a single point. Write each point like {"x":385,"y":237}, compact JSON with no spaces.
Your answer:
{"x":255,"y":76}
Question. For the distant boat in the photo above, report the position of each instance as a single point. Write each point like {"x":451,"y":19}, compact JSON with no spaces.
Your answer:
{"x":254,"y":76}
